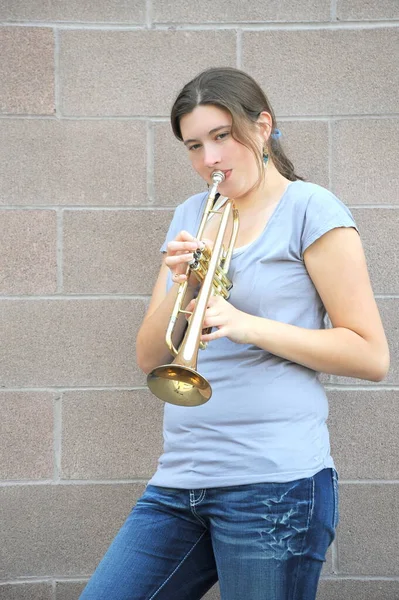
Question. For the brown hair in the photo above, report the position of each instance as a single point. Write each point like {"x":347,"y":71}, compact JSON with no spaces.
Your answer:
{"x":238,"y":93}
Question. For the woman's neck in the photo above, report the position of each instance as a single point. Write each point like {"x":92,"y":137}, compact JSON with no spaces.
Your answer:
{"x":268,"y":193}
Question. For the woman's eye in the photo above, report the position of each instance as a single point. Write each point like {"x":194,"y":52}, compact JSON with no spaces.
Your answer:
{"x":222,"y":135}
{"x":194,"y":147}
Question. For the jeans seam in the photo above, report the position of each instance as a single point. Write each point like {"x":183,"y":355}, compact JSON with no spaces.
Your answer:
{"x":193,"y":504}
{"x":177,"y":567}
{"x":312,"y":506}
{"x":200,"y":499}
{"x":301,"y":558}
{"x":335,"y":500}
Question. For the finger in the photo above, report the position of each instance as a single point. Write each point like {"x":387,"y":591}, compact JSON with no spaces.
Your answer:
{"x":216,"y":334}
{"x":176,"y":246}
{"x":186,"y":237}
{"x":211,"y":315}
{"x":173,"y":261}
{"x":178,"y":277}
{"x":212,"y":322}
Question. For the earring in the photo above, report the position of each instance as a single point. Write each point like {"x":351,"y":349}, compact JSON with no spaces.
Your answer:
{"x":265,"y":155}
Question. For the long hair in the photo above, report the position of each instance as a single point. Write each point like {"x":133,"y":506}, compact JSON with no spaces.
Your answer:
{"x":238,"y":93}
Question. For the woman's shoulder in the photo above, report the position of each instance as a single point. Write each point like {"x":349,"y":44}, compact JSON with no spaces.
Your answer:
{"x":318,"y":210}
{"x":313,"y":198}
{"x":192,"y":203}
{"x":305,"y":190}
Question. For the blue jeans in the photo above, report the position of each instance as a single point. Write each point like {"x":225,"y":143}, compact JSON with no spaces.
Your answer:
{"x":264,"y":541}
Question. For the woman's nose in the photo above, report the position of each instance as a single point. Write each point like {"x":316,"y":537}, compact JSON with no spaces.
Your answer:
{"x":211,"y":156}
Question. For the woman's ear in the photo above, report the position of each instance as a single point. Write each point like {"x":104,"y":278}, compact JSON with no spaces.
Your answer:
{"x":265,"y":123}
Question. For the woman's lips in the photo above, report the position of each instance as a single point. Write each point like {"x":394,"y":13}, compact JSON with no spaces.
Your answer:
{"x":227,"y":173}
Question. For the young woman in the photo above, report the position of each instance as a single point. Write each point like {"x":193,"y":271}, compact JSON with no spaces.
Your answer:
{"x":246,"y":489}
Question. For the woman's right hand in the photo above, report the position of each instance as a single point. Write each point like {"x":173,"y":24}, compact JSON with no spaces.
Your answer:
{"x":179,"y":253}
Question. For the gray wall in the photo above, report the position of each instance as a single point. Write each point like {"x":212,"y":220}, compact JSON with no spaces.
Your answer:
{"x":90,"y":174}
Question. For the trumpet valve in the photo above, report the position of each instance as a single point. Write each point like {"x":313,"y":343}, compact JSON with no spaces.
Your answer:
{"x":194,"y":264}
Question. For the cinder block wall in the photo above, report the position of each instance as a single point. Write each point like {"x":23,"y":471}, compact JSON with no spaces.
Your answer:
{"x":90,"y":174}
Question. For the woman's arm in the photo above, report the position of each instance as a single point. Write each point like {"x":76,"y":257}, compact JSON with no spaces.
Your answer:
{"x":355,"y":347}
{"x":151,"y":347}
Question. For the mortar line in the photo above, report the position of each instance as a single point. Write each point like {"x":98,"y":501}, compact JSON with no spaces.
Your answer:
{"x":171,"y":207}
{"x":155,"y":118}
{"x":140,"y":480}
{"x":386,"y":296}
{"x":109,"y":296}
{"x":27,"y":579}
{"x":334,"y":555}
{"x":83,"y":579}
{"x":72,"y":482}
{"x":57,"y":434}
{"x":130,"y":388}
{"x":60,"y":250}
{"x":361,"y":578}
{"x":239,"y":49}
{"x":330,"y":153}
{"x":77,"y":297}
{"x":57,"y":91}
{"x":148,"y":14}
{"x":368,"y":481}
{"x":121,"y":296}
{"x":88,"y":208}
{"x":333,"y":11}
{"x":360,"y":388}
{"x":165,"y":119}
{"x":150,"y":162}
{"x":281,"y":26}
{"x":373,"y":206}
{"x":63,"y":389}
{"x":245,"y":25}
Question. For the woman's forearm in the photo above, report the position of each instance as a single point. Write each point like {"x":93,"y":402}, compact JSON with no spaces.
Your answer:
{"x":338,"y":351}
{"x":151,"y":348}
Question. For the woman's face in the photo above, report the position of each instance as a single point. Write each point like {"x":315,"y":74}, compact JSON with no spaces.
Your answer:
{"x":206,"y":133}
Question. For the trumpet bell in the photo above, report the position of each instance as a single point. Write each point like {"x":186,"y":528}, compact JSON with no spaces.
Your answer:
{"x":179,"y":385}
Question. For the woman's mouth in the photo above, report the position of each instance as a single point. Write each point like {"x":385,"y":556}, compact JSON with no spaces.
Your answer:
{"x":227,"y":174}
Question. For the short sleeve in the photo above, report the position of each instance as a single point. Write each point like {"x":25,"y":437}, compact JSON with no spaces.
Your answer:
{"x":324,"y":212}
{"x":186,"y":216}
{"x":174,"y":227}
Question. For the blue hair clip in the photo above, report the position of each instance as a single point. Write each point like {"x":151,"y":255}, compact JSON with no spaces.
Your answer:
{"x":276,"y":134}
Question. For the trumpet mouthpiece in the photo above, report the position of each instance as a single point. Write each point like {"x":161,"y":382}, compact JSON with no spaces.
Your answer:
{"x":218,"y":177}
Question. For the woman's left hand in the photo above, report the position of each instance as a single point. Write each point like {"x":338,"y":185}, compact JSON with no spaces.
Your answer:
{"x":227,"y":320}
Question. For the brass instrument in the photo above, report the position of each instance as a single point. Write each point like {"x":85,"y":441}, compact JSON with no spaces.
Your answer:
{"x":179,"y":382}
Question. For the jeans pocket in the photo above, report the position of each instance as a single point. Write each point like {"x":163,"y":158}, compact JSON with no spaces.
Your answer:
{"x":335,"y":498}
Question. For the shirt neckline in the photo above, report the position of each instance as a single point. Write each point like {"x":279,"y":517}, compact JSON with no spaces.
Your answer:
{"x":241,"y":249}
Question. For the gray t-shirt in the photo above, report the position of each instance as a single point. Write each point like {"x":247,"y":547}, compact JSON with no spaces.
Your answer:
{"x":266,"y":419}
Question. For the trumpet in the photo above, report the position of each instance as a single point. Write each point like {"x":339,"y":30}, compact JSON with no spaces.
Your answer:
{"x":179,"y":382}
